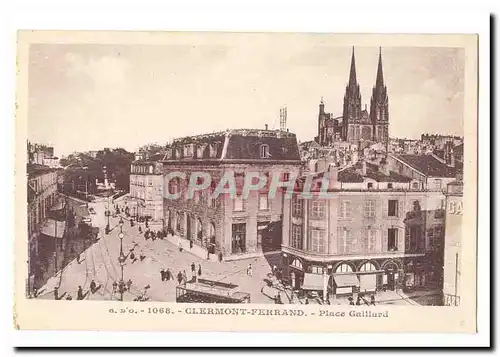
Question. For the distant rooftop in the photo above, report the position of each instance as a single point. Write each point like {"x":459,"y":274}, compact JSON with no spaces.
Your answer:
{"x":429,"y":165}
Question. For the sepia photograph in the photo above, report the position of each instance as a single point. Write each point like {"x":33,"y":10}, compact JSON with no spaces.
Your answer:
{"x":264,"y":171}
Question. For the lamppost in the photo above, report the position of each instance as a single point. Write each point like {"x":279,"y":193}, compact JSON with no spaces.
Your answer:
{"x":121,"y":260}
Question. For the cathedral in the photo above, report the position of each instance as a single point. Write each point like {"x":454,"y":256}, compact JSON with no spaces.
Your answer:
{"x":357,"y":126}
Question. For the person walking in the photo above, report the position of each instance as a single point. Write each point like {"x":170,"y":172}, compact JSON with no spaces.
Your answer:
{"x":358,"y":300}
{"x":56,"y":293}
{"x":162,"y":273}
{"x":79,"y":293}
{"x":179,"y":277}
{"x":93,"y":285}
{"x":184,"y":277}
{"x":351,"y":300}
{"x":193,"y":268}
{"x":249,"y":270}
{"x":199,"y":269}
{"x":220,"y":257}
{"x":129,"y":284}
{"x":372,"y":300}
{"x":168,"y":275}
{"x":190,"y":244}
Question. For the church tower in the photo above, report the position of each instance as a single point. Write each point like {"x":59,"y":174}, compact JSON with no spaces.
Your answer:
{"x":379,"y":107}
{"x":352,"y":104}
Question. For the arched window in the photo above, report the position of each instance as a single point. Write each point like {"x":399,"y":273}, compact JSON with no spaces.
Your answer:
{"x":297,"y":264}
{"x":344,"y":268}
{"x":264,"y":151}
{"x":367,"y":267}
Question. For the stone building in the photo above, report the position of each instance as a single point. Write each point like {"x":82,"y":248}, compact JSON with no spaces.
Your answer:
{"x":360,"y":238}
{"x":42,"y":197}
{"x":146,"y":188}
{"x":231,"y":225}
{"x":357,"y":125}
{"x":452,"y":288}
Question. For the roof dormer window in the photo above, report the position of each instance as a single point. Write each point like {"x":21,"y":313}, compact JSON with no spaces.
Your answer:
{"x":264,"y":151}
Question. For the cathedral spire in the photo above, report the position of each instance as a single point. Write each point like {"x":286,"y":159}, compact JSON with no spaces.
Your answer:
{"x":352,"y":74}
{"x":380,"y":73}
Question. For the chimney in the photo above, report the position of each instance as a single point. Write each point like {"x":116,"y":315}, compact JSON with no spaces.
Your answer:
{"x":266,"y":126}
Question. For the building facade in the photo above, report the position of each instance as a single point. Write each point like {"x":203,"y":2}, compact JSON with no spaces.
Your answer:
{"x":452,"y":244}
{"x":146,"y":190}
{"x":362,"y":236}
{"x":42,"y":196}
{"x":230,"y":224}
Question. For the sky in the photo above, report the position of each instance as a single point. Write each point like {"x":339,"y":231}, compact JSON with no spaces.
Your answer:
{"x":90,"y":96}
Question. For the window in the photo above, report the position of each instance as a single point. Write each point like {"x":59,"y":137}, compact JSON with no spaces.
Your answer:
{"x":414,"y":185}
{"x":344,"y":237}
{"x":263,"y":202}
{"x":367,"y":267}
{"x":345,"y":209}
{"x":150,"y":169}
{"x":343,"y":268}
{"x":214,"y":202}
{"x":370,"y":184}
{"x":318,"y":209}
{"x":316,"y":269}
{"x":438,"y":184}
{"x":264,"y":151}
{"x":392,"y":239}
{"x":317,"y":241}
{"x":296,"y":236}
{"x":414,"y":238}
{"x":286,"y":176}
{"x":392,"y":208}
{"x":389,"y":185}
{"x":238,"y":203}
{"x":369,"y":208}
{"x":297,"y":207}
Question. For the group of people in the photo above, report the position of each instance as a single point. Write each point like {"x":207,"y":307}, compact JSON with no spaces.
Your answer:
{"x":360,"y":300}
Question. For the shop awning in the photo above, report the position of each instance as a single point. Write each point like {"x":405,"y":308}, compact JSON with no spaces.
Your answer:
{"x":346,"y":280}
{"x":313,"y":282}
{"x":53,"y":228}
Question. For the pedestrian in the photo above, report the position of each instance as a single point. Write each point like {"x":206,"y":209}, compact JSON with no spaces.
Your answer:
{"x":274,"y":270}
{"x":351,"y":300}
{"x":193,"y":267}
{"x":56,"y":293}
{"x":358,"y":300}
{"x":115,"y":285}
{"x":208,"y":254}
{"x":162,"y":273}
{"x":220,"y":257}
{"x":180,"y":246}
{"x":179,"y":277}
{"x":184,"y":277}
{"x":168,"y":275}
{"x":307,"y":301}
{"x":79,"y":293}
{"x":190,"y":244}
{"x":78,"y":258}
{"x":199,"y":269}
{"x":35,"y":292}
{"x":278,"y":299}
{"x":249,"y":270}
{"x":92,"y":286}
{"x":372,"y":300}
{"x":140,"y":229}
{"x":129,"y":284}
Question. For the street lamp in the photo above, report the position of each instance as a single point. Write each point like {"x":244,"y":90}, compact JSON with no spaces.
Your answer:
{"x":121,"y":260}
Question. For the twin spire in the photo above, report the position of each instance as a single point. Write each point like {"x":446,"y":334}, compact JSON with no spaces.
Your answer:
{"x":380,"y":75}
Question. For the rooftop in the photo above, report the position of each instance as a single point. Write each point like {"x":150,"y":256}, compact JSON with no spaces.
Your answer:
{"x":429,"y":165}
{"x":238,"y":144}
{"x":34,"y":170}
